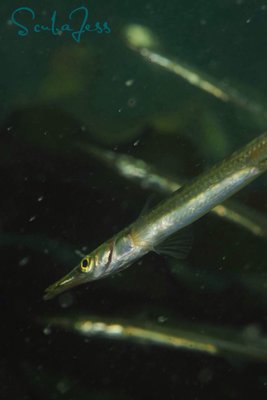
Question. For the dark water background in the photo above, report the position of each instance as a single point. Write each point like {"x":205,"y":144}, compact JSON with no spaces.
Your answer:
{"x":56,"y":199}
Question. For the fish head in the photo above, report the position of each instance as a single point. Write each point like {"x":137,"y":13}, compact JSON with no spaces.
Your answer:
{"x":90,"y":268}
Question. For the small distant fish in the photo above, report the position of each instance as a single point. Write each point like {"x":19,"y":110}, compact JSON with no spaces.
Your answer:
{"x":190,"y":74}
{"x":186,"y":205}
{"x":142,"y":173}
{"x":246,"y":344}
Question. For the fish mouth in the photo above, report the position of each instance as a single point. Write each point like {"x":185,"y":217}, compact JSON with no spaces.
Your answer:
{"x":74,"y":278}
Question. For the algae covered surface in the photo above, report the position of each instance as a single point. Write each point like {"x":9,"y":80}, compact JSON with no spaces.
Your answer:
{"x":193,"y":328}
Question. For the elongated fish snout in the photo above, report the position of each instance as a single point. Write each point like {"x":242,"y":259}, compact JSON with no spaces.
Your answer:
{"x":74,"y":278}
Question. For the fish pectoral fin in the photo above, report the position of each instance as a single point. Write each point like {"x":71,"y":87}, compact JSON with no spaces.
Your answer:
{"x":177,"y":245}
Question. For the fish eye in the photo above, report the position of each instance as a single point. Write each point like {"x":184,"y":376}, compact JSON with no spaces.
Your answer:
{"x":86,"y":264}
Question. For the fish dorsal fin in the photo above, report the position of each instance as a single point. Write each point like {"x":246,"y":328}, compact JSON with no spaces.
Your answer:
{"x":177,"y":245}
{"x":152,"y":201}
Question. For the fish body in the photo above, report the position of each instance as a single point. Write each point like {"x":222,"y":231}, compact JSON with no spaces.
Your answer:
{"x":187,"y":336}
{"x":183,"y":207}
{"x":145,"y":176}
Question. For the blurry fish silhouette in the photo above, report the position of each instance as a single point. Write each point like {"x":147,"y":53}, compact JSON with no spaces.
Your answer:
{"x":192,"y":337}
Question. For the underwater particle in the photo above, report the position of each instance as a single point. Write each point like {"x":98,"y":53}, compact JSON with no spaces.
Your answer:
{"x":79,"y":253}
{"x":45,"y":133}
{"x":33,"y":218}
{"x":66,"y":300}
{"x":62,"y":386}
{"x":9,"y":128}
{"x":83,"y":128}
{"x":162,"y":319}
{"x":131,"y":102}
{"x":205,"y":375}
{"x":24,"y":261}
{"x":130,"y":82}
{"x":47,"y":330}
{"x":40,"y":198}
{"x":136,"y":143}
{"x":252,"y":332}
{"x":248,"y":20}
{"x":263,"y":380}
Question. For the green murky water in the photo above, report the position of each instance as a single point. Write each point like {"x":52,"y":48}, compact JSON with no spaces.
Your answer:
{"x":58,"y":201}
